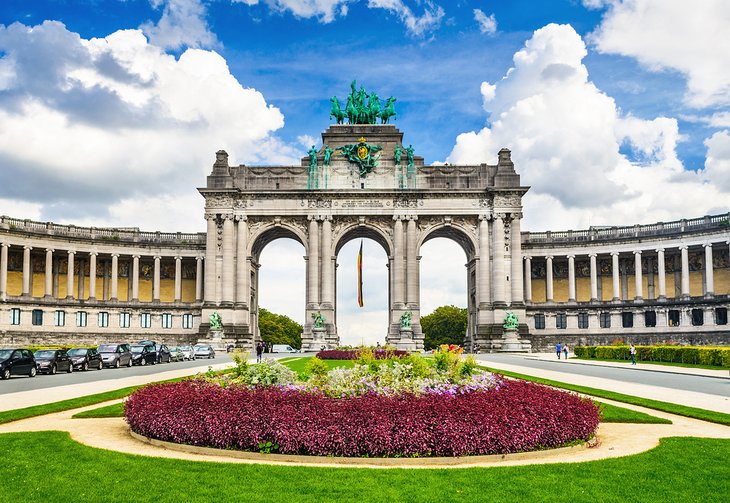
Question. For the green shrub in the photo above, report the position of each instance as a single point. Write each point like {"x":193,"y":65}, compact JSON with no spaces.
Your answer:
{"x":644,"y":353}
{"x":316,"y":367}
{"x":725,"y":353}
{"x":667,"y":353}
{"x":690,"y":355}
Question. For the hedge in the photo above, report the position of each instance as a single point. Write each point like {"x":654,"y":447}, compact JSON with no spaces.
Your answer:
{"x":696,"y":355}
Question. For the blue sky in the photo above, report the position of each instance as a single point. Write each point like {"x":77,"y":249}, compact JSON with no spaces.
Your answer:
{"x":616,"y":111}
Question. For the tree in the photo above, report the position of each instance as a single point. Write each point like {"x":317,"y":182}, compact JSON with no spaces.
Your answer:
{"x":446,"y":325}
{"x":279,"y":329}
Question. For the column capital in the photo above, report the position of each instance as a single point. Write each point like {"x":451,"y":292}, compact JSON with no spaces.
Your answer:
{"x":50,"y":250}
{"x":200,"y":258}
{"x":516,"y":215}
{"x":527,"y":257}
{"x":326,"y":218}
{"x":241,"y":218}
{"x":659,"y":250}
{"x":312,"y":218}
{"x":615,"y":254}
{"x":570,"y":256}
{"x":549,"y":257}
{"x":592,"y":255}
{"x":71,"y":252}
{"x":707,"y":245}
{"x":114,"y":255}
{"x":137,"y":256}
{"x":485,"y":217}
{"x":227,"y":216}
{"x":4,"y":245}
{"x":178,"y":257}
{"x":157,"y":257}
{"x":27,"y":247}
{"x":499,"y":216}
{"x":412,"y":218}
{"x":683,"y":247}
{"x":636,"y":252}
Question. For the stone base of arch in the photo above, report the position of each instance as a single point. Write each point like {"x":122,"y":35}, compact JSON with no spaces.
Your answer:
{"x":236,"y":331}
{"x":490,"y":334}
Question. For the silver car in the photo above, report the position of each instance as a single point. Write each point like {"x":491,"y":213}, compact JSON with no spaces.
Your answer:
{"x":204,"y":351}
{"x":115,"y":355}
{"x":188,"y":352}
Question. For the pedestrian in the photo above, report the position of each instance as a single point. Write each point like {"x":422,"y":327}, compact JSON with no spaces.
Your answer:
{"x":632,"y":352}
{"x":565,"y":351}
{"x":259,"y":350}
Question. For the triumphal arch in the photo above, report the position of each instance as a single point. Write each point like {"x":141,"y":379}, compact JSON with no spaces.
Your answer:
{"x":364,"y":182}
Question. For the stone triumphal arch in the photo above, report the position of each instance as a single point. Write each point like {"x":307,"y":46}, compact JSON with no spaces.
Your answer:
{"x":363,"y":182}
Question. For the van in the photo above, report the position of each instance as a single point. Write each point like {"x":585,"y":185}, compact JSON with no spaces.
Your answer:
{"x":283,"y":348}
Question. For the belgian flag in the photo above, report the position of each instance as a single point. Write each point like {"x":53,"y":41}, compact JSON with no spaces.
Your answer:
{"x":360,"y":300}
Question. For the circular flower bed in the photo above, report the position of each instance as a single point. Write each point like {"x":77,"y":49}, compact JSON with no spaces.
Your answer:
{"x":511,"y":417}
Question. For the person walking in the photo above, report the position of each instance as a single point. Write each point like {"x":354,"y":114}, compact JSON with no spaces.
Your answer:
{"x":565,"y":351}
{"x":259,"y":350}
{"x":557,"y":350}
{"x":632,"y":352}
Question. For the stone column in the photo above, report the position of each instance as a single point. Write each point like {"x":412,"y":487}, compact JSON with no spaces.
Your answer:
{"x":242,"y":273}
{"x":26,"y":270}
{"x":571,"y":278}
{"x":498,"y":262}
{"x":594,"y":278}
{"x":411,"y":263}
{"x":135,"y":277}
{"x":92,"y":275}
{"x":178,"y":278}
{"x":115,"y":277}
{"x":70,"y":275}
{"x":198,"y":279}
{"x":156,"y":280}
{"x":227,"y":272}
{"x":327,"y":278}
{"x":662,"y":274}
{"x":398,"y":273}
{"x":4,"y":271}
{"x":516,"y":263}
{"x":709,"y":273}
{"x":549,"y":279}
{"x":483,"y":271}
{"x":313,"y":263}
{"x":685,"y":271}
{"x":210,"y":254}
{"x":49,"y":273}
{"x":615,"y":274}
{"x":528,"y":278}
{"x":637,"y":276}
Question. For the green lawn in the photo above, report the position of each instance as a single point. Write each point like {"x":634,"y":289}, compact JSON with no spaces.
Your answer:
{"x":298,"y":365}
{"x":114,"y":410}
{"x":680,"y":469}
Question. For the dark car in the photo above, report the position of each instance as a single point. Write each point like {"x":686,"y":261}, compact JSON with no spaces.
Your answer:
{"x":115,"y":355}
{"x":163,"y":353}
{"x":17,"y":361}
{"x":142,"y":355}
{"x":50,"y":361}
{"x":86,"y":358}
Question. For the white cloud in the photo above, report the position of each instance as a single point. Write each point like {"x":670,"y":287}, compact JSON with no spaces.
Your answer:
{"x":487,"y":24}
{"x":417,"y":25}
{"x":717,"y":164}
{"x":671,"y":34}
{"x":182,"y":24}
{"x":566,"y":136}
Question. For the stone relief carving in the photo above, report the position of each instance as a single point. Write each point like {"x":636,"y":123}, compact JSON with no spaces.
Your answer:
{"x":319,"y":203}
{"x":218,"y":201}
{"x":407,"y":202}
{"x":507,"y":200}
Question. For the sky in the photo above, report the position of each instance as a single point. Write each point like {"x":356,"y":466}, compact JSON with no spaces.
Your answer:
{"x":616,"y":112}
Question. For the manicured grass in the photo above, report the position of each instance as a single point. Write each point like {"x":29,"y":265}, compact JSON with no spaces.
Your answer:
{"x":613,"y":414}
{"x":680,"y":410}
{"x":298,"y":365}
{"x":644,"y":362}
{"x":114,"y":410}
{"x":680,"y":469}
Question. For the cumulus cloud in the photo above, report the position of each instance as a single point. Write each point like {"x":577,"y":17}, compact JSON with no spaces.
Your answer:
{"x":487,"y":24}
{"x":182,"y":24}
{"x":717,"y":164}
{"x":567,"y":139}
{"x":115,"y":123}
{"x":670,"y":34}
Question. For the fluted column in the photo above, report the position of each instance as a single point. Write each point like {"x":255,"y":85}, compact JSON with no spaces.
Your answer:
{"x":709,"y":273}
{"x":26,"y":270}
{"x":227,"y":272}
{"x":662,"y":274}
{"x":210,"y":254}
{"x":498,"y":262}
{"x":178,"y":279}
{"x":242,"y":272}
{"x":516,"y":262}
{"x":398,"y":272}
{"x":70,"y":275}
{"x":549,"y":278}
{"x":49,"y":273}
{"x":135,"y":277}
{"x":198,"y":279}
{"x":615,"y":274}
{"x":483,"y":272}
{"x":685,"y":271}
{"x":313,"y":263}
{"x":528,"y":278}
{"x":115,"y":277}
{"x":571,"y":278}
{"x":637,"y":276}
{"x":4,"y":271}
{"x":327,"y":278}
{"x":594,"y":277}
{"x":411,"y":263}
{"x":156,"y":280}
{"x":92,"y":275}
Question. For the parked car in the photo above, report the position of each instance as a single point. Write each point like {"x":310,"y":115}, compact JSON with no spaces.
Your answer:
{"x":17,"y":361}
{"x":176,"y":354}
{"x":86,"y":358}
{"x":142,"y":355}
{"x":163,"y":353}
{"x":50,"y":361}
{"x":283,"y":348}
{"x":188,"y":352}
{"x":115,"y":355}
{"x":204,"y":351}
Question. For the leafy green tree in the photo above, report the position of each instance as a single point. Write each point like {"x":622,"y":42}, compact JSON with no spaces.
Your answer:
{"x":279,"y":329}
{"x":446,"y":325}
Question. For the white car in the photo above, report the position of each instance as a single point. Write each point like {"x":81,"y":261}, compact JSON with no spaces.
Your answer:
{"x":188,"y":352}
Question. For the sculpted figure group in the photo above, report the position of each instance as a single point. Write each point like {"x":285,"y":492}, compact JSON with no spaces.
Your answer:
{"x":359,"y":111}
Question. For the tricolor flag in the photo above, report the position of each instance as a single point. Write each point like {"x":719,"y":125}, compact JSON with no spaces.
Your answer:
{"x":360,"y":300}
